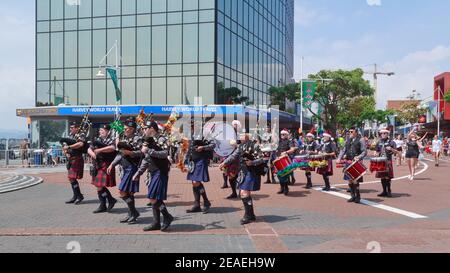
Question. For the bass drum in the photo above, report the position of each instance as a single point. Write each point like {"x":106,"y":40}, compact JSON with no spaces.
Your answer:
{"x":223,"y":135}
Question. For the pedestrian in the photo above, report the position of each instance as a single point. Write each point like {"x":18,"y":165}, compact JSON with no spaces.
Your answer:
{"x":437,"y":149}
{"x":414,"y":145}
{"x":399,"y":144}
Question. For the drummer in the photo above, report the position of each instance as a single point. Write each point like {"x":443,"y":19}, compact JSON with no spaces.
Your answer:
{"x":355,"y":149}
{"x":386,"y":148}
{"x":328,"y":149}
{"x":285,"y":148}
{"x":309,"y":148}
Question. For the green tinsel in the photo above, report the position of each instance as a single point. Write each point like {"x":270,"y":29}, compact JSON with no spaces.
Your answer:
{"x":292,"y":168}
{"x":118,"y":127}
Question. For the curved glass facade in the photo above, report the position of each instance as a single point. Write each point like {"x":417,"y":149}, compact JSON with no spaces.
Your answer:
{"x":171,"y":50}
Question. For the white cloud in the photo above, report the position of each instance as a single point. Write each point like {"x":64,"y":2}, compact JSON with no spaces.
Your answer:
{"x":306,"y":16}
{"x":413,"y":71}
{"x":374,"y":2}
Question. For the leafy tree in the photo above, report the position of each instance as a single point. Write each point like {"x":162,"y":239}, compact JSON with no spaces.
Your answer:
{"x":339,"y":98}
{"x":447,"y":96}
{"x":411,"y":111}
{"x":358,"y":110}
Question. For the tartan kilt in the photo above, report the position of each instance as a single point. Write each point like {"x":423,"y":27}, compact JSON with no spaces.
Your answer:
{"x":76,"y":167}
{"x":103,"y":179}
{"x":232,"y":170}
{"x":327,"y":170}
{"x":389,"y":173}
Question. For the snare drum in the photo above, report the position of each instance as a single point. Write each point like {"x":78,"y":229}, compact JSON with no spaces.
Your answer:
{"x":356,"y":170}
{"x":282,"y":164}
{"x":378,"y":164}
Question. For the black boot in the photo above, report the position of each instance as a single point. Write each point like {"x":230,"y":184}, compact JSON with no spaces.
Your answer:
{"x":74,"y":197}
{"x":78,"y":194}
{"x":196,"y":208}
{"x":326,"y":179}
{"x":358,"y":195}
{"x":206,"y":203}
{"x":168,"y":218}
{"x":156,"y":218}
{"x":286,"y":189}
{"x":233,"y":189}
{"x":309,"y":181}
{"x":101,"y":196}
{"x":293,"y":181}
{"x":134,"y":213}
{"x":248,"y":208}
{"x":125,"y":220}
{"x":384,"y":193}
{"x":353,"y":193}
{"x":225,"y":181}
{"x":388,"y":186}
{"x":111,"y":200}
{"x":281,"y":191}
{"x":268,"y":174}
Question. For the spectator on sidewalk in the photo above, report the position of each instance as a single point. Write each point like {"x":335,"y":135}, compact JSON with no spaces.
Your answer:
{"x":24,"y":149}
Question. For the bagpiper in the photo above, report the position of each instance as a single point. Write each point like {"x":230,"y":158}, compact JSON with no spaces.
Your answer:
{"x":201,"y":151}
{"x":355,"y":149}
{"x":75,"y":164}
{"x":386,"y":148}
{"x":252,"y":167}
{"x":103,"y":151}
{"x":129,"y":158}
{"x":157,"y":164}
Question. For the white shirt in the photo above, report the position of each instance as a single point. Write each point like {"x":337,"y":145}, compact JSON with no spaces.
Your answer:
{"x":437,"y":145}
{"x":399,"y":143}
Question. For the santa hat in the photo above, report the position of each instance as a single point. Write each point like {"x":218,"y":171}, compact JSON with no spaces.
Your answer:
{"x":236,"y":123}
{"x":384,"y":131}
{"x":327,"y":135}
{"x":285,"y":131}
{"x":310,"y":135}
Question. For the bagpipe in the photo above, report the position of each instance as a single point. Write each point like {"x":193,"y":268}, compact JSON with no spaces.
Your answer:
{"x":253,"y":154}
{"x":126,"y":145}
{"x":83,"y":130}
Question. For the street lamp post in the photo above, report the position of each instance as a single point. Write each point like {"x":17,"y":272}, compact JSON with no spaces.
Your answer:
{"x":102,"y":66}
{"x":301,"y":95}
{"x":439,"y":111}
{"x":301,"y":90}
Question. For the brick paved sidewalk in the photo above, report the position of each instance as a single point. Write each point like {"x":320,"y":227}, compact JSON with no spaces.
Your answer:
{"x":37,"y":220}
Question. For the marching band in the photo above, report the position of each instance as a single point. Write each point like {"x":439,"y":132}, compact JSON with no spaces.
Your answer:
{"x":146,"y":146}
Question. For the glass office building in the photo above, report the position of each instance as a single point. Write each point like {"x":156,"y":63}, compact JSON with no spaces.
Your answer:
{"x":171,"y":51}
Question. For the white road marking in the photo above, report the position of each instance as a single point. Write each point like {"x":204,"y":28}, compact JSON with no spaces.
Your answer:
{"x":376,"y":205}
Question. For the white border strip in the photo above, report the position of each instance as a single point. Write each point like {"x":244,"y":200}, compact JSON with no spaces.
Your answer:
{"x":376,"y":205}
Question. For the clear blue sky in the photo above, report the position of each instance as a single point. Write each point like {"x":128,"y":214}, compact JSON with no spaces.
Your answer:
{"x":409,"y":37}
